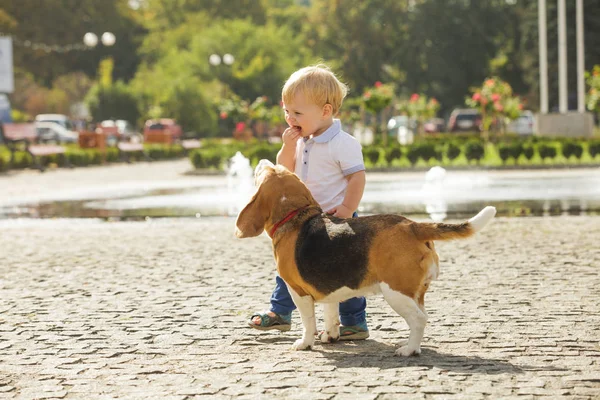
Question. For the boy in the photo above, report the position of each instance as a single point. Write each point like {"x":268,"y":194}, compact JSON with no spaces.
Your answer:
{"x":330,"y":162}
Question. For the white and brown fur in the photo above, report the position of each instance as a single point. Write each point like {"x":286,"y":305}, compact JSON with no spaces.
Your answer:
{"x":327,"y":259}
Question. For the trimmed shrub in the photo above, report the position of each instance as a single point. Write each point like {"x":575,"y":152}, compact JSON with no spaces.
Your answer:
{"x":197,"y":159}
{"x":528,"y":151}
{"x":452,"y":151}
{"x":427,"y":151}
{"x":391,"y":154}
{"x":504,"y":151}
{"x":571,"y":148}
{"x":546,"y":151}
{"x":474,"y":150}
{"x":261,"y":152}
{"x":413,"y":154}
{"x":516,"y":149}
{"x":594,"y":148}
{"x":372,"y":154}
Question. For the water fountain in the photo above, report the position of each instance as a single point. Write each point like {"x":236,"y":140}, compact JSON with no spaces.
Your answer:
{"x":433,"y":194}
{"x":240,"y":183}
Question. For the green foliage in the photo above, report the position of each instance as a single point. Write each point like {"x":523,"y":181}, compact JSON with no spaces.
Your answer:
{"x":593,"y":95}
{"x":546,"y":150}
{"x":207,"y":158}
{"x":263,"y":151}
{"x":528,"y":152}
{"x":474,"y":150}
{"x":494,"y":100}
{"x":571,"y":148}
{"x":62,"y":23}
{"x":372,"y":154}
{"x":453,"y":151}
{"x":392,"y":153}
{"x":419,"y":107}
{"x":191,"y":108}
{"x":510,"y":150}
{"x":115,"y":101}
{"x":413,"y":154}
{"x":378,"y":97}
{"x":504,"y":151}
{"x":594,"y":148}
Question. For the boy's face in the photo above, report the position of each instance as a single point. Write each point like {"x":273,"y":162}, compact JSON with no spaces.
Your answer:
{"x":307,"y":117}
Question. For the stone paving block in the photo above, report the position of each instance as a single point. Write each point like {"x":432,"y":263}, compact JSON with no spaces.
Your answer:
{"x":164,"y":316}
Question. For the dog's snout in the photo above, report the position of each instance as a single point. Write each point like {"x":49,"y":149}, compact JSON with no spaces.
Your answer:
{"x":260,"y":168}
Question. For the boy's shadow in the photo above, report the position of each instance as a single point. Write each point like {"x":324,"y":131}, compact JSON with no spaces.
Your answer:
{"x":375,"y":354}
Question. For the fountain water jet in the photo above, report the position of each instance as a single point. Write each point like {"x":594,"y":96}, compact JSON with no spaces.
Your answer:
{"x":240,"y":182}
{"x":433,"y":194}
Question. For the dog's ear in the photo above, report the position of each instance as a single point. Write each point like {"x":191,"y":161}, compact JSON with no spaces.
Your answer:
{"x":252,"y":219}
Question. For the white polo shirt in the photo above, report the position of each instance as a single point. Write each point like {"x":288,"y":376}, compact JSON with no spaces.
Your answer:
{"x":323,"y":162}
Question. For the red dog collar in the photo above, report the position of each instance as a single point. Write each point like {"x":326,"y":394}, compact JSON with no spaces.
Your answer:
{"x":285,"y":219}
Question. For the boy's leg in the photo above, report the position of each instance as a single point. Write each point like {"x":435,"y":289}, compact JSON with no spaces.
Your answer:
{"x":353,"y":319}
{"x":281,"y":300}
{"x":280,"y":314}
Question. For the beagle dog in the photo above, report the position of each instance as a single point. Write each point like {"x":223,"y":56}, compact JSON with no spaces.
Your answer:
{"x":326,"y":259}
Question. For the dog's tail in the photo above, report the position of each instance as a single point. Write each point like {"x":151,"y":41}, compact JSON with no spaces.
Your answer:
{"x":435,"y":231}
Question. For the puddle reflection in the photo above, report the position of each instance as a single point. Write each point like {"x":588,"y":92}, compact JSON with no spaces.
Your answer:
{"x":437,"y":195}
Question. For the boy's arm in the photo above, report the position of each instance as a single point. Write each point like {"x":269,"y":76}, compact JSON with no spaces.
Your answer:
{"x":287,"y":157}
{"x":354,"y":193}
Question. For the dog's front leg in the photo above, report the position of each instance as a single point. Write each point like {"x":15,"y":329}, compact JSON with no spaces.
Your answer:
{"x":306,"y":306}
{"x":331,"y":314}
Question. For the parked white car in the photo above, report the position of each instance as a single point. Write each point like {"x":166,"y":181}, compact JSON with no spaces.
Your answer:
{"x":60,"y":119}
{"x":55,"y":132}
{"x":522,"y":125}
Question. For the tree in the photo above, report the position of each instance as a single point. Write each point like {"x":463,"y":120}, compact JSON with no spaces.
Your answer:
{"x":44,"y":31}
{"x":264,"y":57}
{"x":362,"y":39}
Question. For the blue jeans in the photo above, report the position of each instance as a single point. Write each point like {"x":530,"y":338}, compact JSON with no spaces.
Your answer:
{"x":352,"y":311}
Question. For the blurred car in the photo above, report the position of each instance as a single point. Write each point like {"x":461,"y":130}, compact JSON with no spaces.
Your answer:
{"x":522,"y":125}
{"x":53,"y":131}
{"x":402,"y":128}
{"x":464,"y":120}
{"x":59,"y":119}
{"x":434,"y":125}
{"x":119,"y":129}
{"x":165,"y":125}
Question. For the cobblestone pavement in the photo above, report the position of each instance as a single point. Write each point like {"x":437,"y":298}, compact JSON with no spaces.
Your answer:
{"x":157,"y":309}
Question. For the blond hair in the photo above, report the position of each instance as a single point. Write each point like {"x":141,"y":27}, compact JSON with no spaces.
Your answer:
{"x":318,"y":84}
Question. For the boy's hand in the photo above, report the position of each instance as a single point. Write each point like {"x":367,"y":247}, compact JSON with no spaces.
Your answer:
{"x":341,"y":211}
{"x":290,"y":136}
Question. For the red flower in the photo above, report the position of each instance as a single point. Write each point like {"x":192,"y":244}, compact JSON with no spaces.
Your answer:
{"x":498,"y":107}
{"x":489,"y":82}
{"x":495,"y":97}
{"x":414,"y":97}
{"x":520,"y":106}
{"x":240,"y":126}
{"x":223,"y":115}
{"x":367,"y":95}
{"x":476,"y":96}
{"x":378,"y":84}
{"x":433,"y":101}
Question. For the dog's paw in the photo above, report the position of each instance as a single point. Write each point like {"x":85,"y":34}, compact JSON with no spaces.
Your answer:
{"x":406,"y":351}
{"x":302,"y":344}
{"x":329,"y":337}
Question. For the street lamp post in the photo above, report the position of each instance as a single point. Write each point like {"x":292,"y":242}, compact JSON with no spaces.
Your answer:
{"x":107,"y":39}
{"x":215,"y":60}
